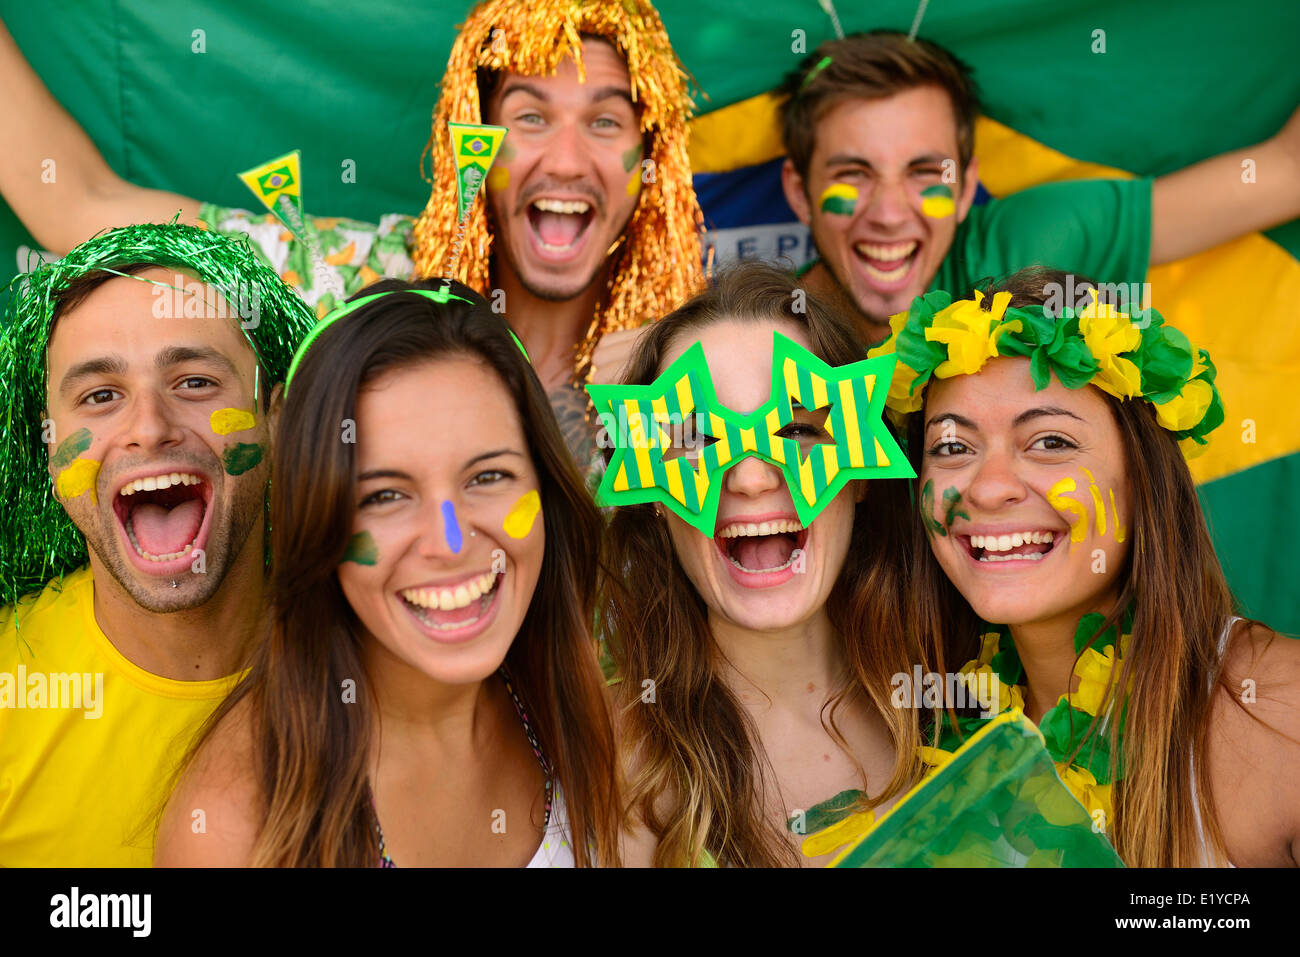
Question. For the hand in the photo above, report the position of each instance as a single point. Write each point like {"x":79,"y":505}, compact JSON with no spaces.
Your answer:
{"x":610,"y":359}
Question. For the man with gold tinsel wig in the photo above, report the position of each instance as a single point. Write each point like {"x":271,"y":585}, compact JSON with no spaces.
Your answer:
{"x":591,"y":224}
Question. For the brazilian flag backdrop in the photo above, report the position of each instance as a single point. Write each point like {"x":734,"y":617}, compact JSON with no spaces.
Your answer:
{"x":181,"y":95}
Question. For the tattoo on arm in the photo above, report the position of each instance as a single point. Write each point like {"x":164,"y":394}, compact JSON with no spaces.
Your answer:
{"x":570,"y":407}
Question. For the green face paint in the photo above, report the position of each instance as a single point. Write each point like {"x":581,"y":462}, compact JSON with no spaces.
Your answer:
{"x":631,"y":158}
{"x":238,"y":459}
{"x":936,"y":201}
{"x":951,"y":506}
{"x":932,"y":525}
{"x":361,"y":549}
{"x":840,"y":199}
{"x":70,"y":448}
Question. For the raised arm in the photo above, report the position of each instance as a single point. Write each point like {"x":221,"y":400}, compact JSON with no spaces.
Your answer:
{"x":1224,"y":197}
{"x":85,"y":195}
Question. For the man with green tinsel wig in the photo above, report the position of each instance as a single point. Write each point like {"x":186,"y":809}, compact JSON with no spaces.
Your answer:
{"x":141,"y":376}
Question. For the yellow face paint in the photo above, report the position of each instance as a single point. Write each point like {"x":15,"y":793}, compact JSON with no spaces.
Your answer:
{"x":1056,"y":498}
{"x":839,"y":198}
{"x":936,"y":202}
{"x":1098,"y":505}
{"x":522,"y":515}
{"x":1121,"y":532}
{"x":77,"y":479}
{"x":634,"y":184}
{"x":498,"y":179}
{"x":225,"y":421}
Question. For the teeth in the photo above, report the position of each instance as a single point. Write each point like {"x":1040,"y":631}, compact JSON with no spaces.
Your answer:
{"x":576,"y":206}
{"x":154,"y":482}
{"x":886,"y":253}
{"x":745,"y":529}
{"x":449,"y":599}
{"x":1002,"y":543}
{"x":1035,"y":557}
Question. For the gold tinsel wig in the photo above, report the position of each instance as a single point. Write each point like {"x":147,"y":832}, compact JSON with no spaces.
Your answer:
{"x":655,"y":265}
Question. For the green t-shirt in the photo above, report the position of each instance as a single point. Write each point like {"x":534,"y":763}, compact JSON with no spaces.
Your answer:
{"x":1098,"y":228}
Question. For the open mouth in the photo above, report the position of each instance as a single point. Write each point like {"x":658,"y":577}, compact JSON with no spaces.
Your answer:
{"x":757,"y":548}
{"x":887,"y":264}
{"x":164,"y":517}
{"x":559,"y":225}
{"x":1028,"y":546}
{"x":455,"y":608}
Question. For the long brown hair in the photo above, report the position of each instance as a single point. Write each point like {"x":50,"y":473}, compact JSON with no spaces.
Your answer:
{"x":310,"y":749}
{"x":698,"y":776}
{"x":1181,"y":602}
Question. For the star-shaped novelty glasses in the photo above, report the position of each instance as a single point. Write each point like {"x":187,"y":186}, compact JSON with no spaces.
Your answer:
{"x":653,"y":463}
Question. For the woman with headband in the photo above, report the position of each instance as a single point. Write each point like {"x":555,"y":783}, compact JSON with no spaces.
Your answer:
{"x":756,"y":616}
{"x":1060,"y":548}
{"x":429,"y":692}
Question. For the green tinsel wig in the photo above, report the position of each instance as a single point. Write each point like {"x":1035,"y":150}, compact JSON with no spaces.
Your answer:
{"x":37,"y":539}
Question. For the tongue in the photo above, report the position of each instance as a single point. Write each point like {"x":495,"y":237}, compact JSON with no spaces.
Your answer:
{"x":558,"y":229}
{"x":163,"y":531}
{"x":763,"y":551}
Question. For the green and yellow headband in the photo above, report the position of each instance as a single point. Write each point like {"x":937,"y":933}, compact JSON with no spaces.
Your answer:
{"x":1097,"y":345}
{"x":640,"y":418}
{"x":442,"y":296}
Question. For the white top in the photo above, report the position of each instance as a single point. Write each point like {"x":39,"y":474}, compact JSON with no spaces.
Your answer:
{"x":1209,"y":856}
{"x":555,"y":850}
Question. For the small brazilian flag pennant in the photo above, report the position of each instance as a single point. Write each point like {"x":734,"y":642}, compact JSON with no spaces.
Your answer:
{"x":277,"y":183}
{"x":474,"y":147}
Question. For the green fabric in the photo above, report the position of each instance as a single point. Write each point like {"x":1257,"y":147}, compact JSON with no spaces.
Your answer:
{"x":1096,"y":228}
{"x":998,"y":803}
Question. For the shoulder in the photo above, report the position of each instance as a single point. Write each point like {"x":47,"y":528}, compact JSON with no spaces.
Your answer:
{"x":1254,"y":746}
{"x":41,"y":614}
{"x":214,"y":814}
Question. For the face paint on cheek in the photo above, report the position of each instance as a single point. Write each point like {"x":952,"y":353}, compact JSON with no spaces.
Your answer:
{"x":70,"y":448}
{"x":952,"y":507}
{"x":937,"y":202}
{"x":1121,"y":532}
{"x":225,"y":421}
{"x":239,"y":458}
{"x":361,"y":549}
{"x":451,"y":528}
{"x":1100,"y":507}
{"x":631,"y":158}
{"x":634,"y":184}
{"x":1057,"y":499}
{"x":522,"y":515}
{"x":840,"y":199}
{"x":77,"y":479}
{"x":932,"y":525}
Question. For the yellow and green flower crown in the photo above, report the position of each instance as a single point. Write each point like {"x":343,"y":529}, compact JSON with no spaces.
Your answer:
{"x":1097,"y":345}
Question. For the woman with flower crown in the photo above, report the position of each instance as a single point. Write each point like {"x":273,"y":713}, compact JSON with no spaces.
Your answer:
{"x":1068,"y":556}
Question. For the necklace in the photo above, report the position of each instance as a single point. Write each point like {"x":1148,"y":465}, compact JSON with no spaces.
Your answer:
{"x":1082,"y":757}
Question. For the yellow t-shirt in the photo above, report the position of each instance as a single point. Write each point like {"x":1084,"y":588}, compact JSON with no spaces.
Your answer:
{"x":88,"y":740}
